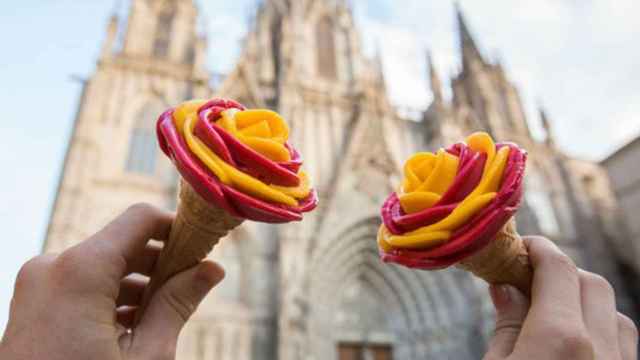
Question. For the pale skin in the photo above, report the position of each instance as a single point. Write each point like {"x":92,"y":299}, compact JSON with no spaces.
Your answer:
{"x":80,"y":303}
{"x":74,"y":305}
{"x":571,"y":314}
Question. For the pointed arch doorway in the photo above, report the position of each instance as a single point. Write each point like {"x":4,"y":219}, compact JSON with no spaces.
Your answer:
{"x":360,"y":308}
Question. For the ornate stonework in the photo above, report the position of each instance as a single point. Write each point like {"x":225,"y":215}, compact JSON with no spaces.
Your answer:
{"x":315,"y":289}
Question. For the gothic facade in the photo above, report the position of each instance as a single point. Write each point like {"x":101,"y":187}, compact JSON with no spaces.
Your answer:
{"x":315,"y":289}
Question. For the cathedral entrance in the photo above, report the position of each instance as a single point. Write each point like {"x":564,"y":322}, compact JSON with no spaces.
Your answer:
{"x":359,"y":308}
{"x":355,"y":351}
{"x":362,"y":329}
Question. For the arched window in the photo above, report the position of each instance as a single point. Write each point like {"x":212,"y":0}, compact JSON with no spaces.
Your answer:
{"x":539,"y":200}
{"x":143,"y":151}
{"x":163,"y":34}
{"x":326,"y":48}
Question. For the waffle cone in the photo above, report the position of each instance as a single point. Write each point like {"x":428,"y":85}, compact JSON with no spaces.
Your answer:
{"x":197,"y":228}
{"x":504,"y":260}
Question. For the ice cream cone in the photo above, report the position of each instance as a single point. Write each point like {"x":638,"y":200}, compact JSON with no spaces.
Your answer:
{"x":504,"y":260}
{"x":235,"y":164}
{"x":197,"y":228}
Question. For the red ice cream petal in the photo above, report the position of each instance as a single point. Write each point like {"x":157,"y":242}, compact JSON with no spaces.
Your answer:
{"x":425,"y":217}
{"x":295,"y":163}
{"x":267,"y":212}
{"x":191,"y":169}
{"x":265,"y":169}
{"x":467,"y":178}
{"x":205,"y":132}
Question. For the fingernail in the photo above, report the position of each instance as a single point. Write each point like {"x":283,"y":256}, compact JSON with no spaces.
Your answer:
{"x":500,"y":295}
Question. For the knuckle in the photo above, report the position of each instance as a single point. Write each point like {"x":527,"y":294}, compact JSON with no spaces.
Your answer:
{"x":31,"y":269}
{"x":68,"y":264}
{"x":180,"y":304}
{"x":627,"y":325}
{"x":572,"y":344}
{"x":562,"y":262}
{"x":141,"y":208}
{"x":600,"y":283}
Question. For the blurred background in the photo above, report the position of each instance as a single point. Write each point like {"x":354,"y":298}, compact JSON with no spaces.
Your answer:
{"x":362,"y":82}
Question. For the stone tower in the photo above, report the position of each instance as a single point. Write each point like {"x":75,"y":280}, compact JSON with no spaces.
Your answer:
{"x":112,"y":158}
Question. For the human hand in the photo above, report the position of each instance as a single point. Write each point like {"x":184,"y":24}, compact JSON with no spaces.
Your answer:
{"x":572,"y":314}
{"x":81,"y":303}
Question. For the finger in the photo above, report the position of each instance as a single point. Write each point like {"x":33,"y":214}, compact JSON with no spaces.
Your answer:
{"x":125,"y":238}
{"x":511,"y":310}
{"x":144,"y":263}
{"x":125,"y":315}
{"x":172,"y":305}
{"x":599,"y":314}
{"x":131,"y":290}
{"x":555,"y":293}
{"x":627,"y":338}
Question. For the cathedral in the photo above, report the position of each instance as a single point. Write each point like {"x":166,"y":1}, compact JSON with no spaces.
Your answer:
{"x":316,"y":290}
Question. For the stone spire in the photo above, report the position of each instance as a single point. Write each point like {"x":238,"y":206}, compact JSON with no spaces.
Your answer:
{"x":549,"y":137}
{"x":468,"y":48}
{"x":497,"y":63}
{"x":434,"y":80}
{"x":379,"y":66}
{"x":110,"y":38}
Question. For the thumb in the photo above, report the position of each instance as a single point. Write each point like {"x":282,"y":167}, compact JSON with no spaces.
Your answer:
{"x":171,"y":306}
{"x":511,"y":310}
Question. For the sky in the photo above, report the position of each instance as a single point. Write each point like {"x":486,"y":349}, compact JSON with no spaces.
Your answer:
{"x":577,"y":58}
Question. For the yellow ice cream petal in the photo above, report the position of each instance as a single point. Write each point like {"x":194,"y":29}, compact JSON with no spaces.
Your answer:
{"x":255,"y":187}
{"x":492,"y":174}
{"x":416,"y":169}
{"x":420,"y":164}
{"x":188,"y":108}
{"x":411,"y":182}
{"x":264,"y":131}
{"x":383,"y":235}
{"x":443,"y":174}
{"x":267,"y":147}
{"x":419,"y":241}
{"x":299,"y":192}
{"x":227,"y":121}
{"x":279,"y":128}
{"x":260,"y":129}
{"x":208,"y":157}
{"x":417,"y":201}
{"x":482,"y":142}
{"x":423,"y":170}
{"x":405,"y":187}
{"x":461,"y":214}
{"x":495,"y":173}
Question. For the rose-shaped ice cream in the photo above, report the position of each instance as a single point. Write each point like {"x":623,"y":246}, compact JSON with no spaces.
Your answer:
{"x":237,"y":159}
{"x":451,"y":204}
